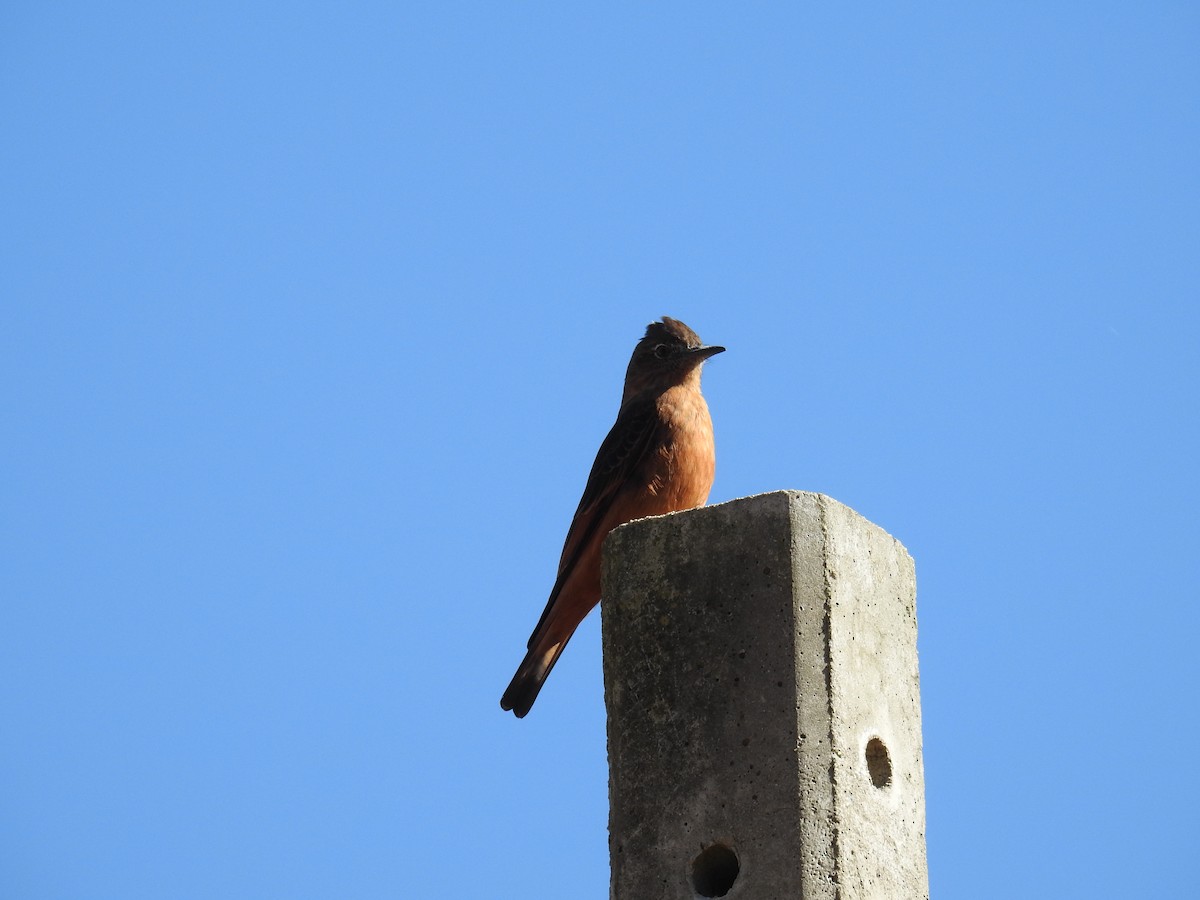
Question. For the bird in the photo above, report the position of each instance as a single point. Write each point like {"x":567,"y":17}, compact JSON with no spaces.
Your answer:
{"x":657,"y":458}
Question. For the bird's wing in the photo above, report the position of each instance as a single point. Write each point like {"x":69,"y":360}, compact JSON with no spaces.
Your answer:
{"x":637,"y":431}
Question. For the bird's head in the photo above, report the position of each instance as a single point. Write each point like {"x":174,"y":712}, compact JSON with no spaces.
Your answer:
{"x":669,"y":354}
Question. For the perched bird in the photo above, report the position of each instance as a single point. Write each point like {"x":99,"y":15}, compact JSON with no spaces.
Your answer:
{"x":658,"y":458}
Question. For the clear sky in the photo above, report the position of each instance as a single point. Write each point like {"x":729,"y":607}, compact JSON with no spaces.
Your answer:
{"x":313,"y":316}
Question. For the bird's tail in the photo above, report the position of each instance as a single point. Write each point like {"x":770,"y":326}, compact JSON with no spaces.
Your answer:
{"x":531,"y":675}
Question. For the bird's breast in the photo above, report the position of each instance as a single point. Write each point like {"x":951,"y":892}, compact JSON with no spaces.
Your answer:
{"x":685,"y":462}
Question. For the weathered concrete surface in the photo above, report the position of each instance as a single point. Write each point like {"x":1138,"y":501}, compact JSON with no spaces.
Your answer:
{"x":760,"y":672}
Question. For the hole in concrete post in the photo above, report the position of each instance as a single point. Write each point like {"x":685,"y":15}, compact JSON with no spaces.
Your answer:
{"x":879,"y":763}
{"x":715,"y":870}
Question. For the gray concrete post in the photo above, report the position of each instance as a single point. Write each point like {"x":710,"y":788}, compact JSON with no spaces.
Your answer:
{"x":764,"y":718}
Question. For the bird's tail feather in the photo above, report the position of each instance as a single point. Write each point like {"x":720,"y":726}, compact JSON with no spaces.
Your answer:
{"x":531,"y":675}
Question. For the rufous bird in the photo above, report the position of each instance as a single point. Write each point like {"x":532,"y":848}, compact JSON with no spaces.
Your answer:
{"x":658,"y":458}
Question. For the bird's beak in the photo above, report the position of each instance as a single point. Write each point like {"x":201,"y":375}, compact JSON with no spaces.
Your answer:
{"x":706,"y":352}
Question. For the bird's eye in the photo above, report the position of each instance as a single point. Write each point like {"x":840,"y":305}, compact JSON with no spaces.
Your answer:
{"x":662,"y":351}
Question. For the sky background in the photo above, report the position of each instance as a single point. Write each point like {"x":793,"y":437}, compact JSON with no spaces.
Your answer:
{"x":311,"y":321}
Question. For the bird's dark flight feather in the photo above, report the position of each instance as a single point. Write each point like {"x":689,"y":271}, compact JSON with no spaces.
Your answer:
{"x":633,"y":434}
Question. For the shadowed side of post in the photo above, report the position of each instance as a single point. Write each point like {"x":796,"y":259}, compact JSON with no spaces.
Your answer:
{"x":764,"y":720}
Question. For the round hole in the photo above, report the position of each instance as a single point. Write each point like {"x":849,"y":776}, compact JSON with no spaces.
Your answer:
{"x":879,"y":763}
{"x":715,"y":870}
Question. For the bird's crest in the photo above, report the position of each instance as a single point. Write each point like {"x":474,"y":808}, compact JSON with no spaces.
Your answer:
{"x":671,"y":331}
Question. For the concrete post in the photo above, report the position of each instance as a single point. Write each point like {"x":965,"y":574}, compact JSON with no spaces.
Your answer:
{"x":764,"y":718}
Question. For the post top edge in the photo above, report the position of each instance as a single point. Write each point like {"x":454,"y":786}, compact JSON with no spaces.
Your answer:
{"x":823,"y":502}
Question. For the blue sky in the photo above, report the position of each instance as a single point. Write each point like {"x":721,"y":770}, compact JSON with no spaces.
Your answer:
{"x":311,"y":321}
